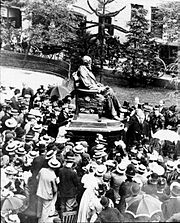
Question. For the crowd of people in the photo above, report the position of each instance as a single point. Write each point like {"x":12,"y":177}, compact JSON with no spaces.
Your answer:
{"x":49,"y":171}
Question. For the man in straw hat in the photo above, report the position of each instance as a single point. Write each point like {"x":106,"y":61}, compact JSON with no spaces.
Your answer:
{"x":47,"y":190}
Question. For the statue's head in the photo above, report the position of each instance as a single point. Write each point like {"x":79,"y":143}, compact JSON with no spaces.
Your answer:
{"x":87,"y":60}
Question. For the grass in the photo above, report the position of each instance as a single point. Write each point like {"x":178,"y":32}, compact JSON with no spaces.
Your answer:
{"x":150,"y":95}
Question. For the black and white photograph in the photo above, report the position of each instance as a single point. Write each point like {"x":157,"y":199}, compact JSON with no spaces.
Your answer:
{"x":90,"y":111}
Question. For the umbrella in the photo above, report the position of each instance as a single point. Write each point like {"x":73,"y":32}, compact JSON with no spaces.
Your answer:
{"x":59,"y":91}
{"x":143,"y":205}
{"x":13,"y":203}
{"x":166,"y":134}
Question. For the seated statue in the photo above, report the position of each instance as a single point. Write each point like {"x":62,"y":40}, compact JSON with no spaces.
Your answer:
{"x":88,"y":81}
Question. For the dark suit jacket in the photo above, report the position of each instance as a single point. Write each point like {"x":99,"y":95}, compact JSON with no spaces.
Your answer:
{"x":136,"y":131}
{"x":109,"y":215}
{"x":171,"y":207}
{"x":68,"y":182}
{"x":37,"y":164}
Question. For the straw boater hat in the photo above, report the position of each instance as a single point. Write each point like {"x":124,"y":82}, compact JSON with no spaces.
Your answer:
{"x":54,"y":163}
{"x":46,"y":138}
{"x":121,"y":168}
{"x":78,"y":149}
{"x":178,"y":167}
{"x":11,"y":123}
{"x":135,"y":163}
{"x":32,"y":154}
{"x":169,"y":166}
{"x":12,"y":218}
{"x":20,"y":151}
{"x":11,"y":146}
{"x":14,"y":111}
{"x":10,"y":170}
{"x":27,"y":96}
{"x":35,"y":112}
{"x":69,"y":157}
{"x":49,"y":154}
{"x":29,"y":136}
{"x":99,"y":154}
{"x":37,"y":127}
{"x":141,"y":169}
{"x":175,"y":189}
{"x":100,"y":170}
{"x":111,"y":163}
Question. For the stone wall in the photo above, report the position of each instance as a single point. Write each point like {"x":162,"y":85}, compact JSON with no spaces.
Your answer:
{"x":12,"y":59}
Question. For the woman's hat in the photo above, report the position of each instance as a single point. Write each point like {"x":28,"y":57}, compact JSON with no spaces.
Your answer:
{"x":11,"y":170}
{"x":11,"y":146}
{"x":20,"y":151}
{"x":11,"y":123}
{"x":54,"y":163}
{"x":121,"y":167}
{"x":49,"y":154}
{"x":175,"y":189}
{"x":37,"y":128}
{"x":78,"y":149}
{"x":100,"y":170}
{"x":104,"y":201}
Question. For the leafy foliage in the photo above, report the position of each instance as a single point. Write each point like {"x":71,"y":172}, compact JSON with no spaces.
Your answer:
{"x":141,"y":50}
{"x":171,"y":19}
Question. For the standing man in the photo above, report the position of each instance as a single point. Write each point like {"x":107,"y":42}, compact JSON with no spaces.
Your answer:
{"x":68,"y":184}
{"x":137,"y":129}
{"x":87,"y":80}
{"x":47,"y":191}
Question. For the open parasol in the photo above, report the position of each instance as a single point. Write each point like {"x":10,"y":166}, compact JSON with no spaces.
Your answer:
{"x":166,"y":134}
{"x":143,"y":205}
{"x":60,"y":91}
{"x":13,"y":203}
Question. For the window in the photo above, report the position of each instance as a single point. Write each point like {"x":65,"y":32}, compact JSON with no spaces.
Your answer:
{"x":107,"y":20}
{"x":156,"y":25}
{"x":135,"y":6}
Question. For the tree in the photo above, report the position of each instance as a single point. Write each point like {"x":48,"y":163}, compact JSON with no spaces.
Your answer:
{"x":171,"y":19}
{"x":141,"y":50}
{"x":52,"y":22}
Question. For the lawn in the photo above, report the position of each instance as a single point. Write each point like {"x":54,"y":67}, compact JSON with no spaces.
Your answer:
{"x":150,"y":95}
